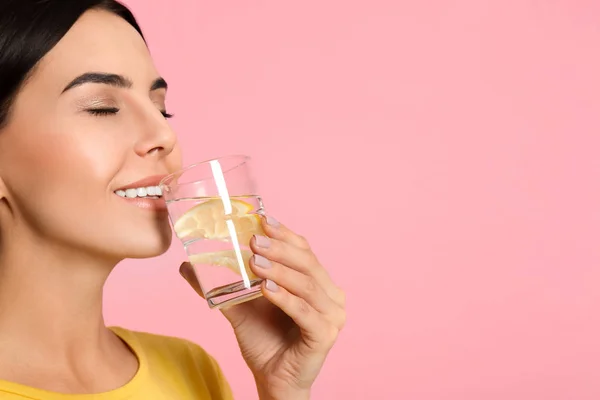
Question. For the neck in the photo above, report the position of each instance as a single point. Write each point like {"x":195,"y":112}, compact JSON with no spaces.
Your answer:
{"x":51,"y":298}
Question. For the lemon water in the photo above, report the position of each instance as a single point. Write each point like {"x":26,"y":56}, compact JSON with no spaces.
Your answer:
{"x":216,"y":234}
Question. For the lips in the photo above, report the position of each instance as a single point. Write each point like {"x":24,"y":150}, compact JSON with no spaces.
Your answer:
{"x":151,"y":181}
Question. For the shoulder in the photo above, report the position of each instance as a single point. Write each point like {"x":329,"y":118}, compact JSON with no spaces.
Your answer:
{"x":169,"y":354}
{"x":156,"y":344}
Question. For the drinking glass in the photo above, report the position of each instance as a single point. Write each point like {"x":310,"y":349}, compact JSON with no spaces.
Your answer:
{"x":215,"y":209}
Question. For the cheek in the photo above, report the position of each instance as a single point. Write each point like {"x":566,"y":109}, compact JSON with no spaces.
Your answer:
{"x":60,"y":162}
{"x":59,"y":181}
{"x":58,"y":172}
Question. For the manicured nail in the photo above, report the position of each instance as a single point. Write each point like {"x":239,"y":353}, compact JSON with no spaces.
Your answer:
{"x":272,"y":221}
{"x":272,"y":286}
{"x":262,"y":262}
{"x":262,"y":241}
{"x":183,"y":271}
{"x":184,"y":276}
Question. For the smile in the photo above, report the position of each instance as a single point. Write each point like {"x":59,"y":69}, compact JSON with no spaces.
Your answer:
{"x":149,"y":192}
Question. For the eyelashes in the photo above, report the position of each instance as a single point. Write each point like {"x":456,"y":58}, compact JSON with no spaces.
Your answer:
{"x":101,"y":112}
{"x":104,"y":112}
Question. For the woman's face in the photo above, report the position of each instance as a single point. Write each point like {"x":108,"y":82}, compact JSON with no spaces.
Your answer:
{"x":87,"y":123}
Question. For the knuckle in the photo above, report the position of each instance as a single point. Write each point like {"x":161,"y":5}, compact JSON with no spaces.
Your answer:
{"x":274,"y":247}
{"x":342,"y":320}
{"x":276,"y":251}
{"x":314,"y":260}
{"x":311,"y":287}
{"x":303,"y":307}
{"x":303,"y":242}
{"x":341,"y":297}
{"x":330,"y":334}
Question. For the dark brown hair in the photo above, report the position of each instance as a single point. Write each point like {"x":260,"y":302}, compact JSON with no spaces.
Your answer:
{"x":29,"y":29}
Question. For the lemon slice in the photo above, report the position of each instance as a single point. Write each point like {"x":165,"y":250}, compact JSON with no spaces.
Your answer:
{"x":209,"y":221}
{"x":226,"y":258}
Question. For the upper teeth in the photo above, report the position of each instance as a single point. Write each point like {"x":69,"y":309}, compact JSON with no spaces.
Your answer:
{"x":140,"y":192}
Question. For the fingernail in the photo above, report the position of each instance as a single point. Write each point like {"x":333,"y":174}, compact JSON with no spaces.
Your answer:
{"x":184,"y":276}
{"x":262,"y":262}
{"x":271,"y":286}
{"x":262,"y":241}
{"x":183,"y":271}
{"x":272,"y":221}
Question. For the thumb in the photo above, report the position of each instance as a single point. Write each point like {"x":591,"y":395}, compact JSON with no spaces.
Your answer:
{"x":187,"y":272}
{"x":235,"y":314}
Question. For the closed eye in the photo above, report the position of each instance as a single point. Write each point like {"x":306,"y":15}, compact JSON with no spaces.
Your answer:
{"x":113,"y":110}
{"x":103,"y":111}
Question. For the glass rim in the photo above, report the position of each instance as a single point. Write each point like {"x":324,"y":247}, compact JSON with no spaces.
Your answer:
{"x":243,"y":160}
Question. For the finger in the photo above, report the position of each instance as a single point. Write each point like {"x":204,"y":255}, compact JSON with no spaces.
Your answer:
{"x":319,"y":334}
{"x":301,"y":260}
{"x":186,"y":270}
{"x":282,"y":252}
{"x":277,"y":230}
{"x":300,"y":285}
{"x":274,"y":229}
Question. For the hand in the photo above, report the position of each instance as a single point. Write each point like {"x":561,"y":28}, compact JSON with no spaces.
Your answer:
{"x":285,"y":335}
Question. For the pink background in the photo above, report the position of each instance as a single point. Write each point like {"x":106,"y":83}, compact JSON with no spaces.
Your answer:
{"x":442,"y":158}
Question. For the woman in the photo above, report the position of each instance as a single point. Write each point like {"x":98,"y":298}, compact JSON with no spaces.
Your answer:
{"x":82,"y":114}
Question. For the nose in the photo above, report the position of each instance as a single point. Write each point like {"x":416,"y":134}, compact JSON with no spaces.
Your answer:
{"x":157,"y":137}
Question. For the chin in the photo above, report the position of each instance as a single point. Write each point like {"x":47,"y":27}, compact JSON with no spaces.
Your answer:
{"x":146,"y":244}
{"x":150,"y":248}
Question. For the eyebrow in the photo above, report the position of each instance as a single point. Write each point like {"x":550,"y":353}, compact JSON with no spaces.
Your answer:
{"x":159,"y":83}
{"x":111,"y":80}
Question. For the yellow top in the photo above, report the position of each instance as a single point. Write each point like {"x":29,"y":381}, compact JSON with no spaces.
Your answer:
{"x":169,"y":369}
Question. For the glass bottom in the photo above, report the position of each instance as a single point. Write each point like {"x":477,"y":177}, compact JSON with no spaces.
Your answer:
{"x":232,"y":294}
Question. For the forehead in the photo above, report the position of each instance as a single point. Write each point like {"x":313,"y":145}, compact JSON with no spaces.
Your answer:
{"x":100,"y":42}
